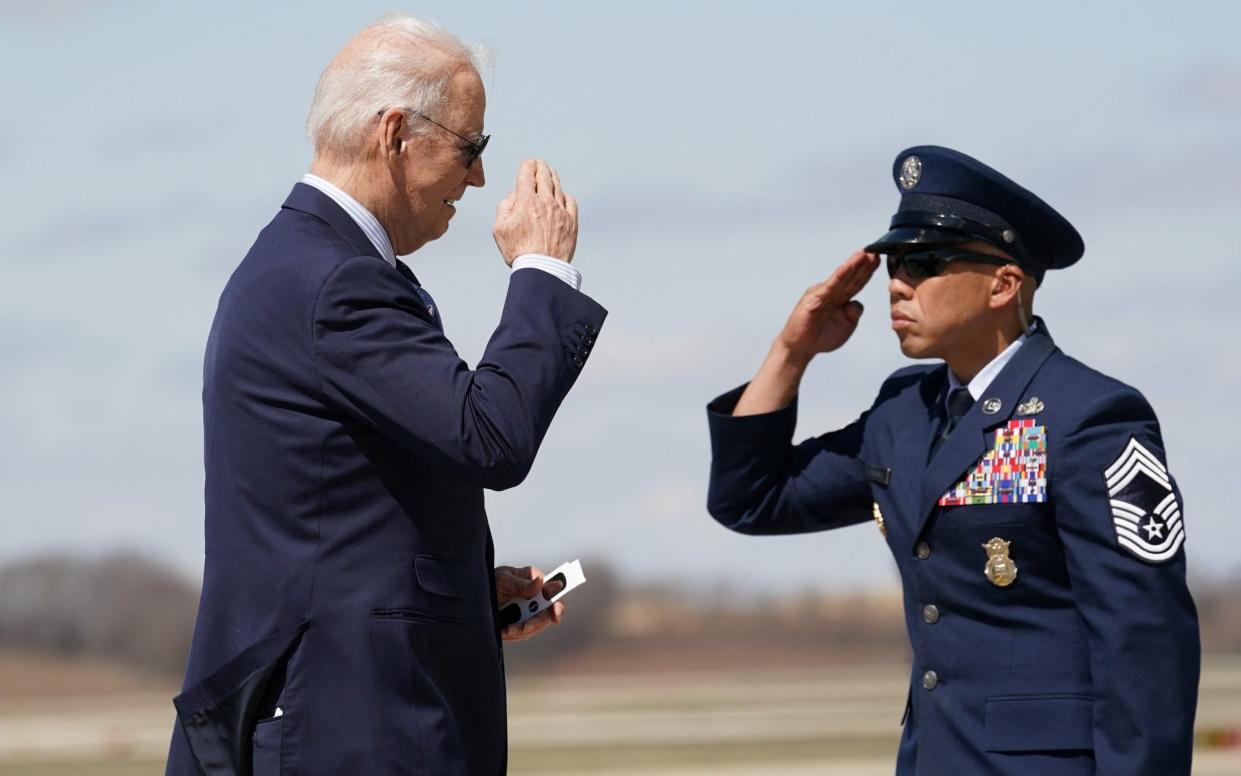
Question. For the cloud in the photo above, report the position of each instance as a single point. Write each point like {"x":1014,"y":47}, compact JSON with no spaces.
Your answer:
{"x":50,"y":13}
{"x":1211,"y":88}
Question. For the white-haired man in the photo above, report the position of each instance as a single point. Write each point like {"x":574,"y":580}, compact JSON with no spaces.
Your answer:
{"x":348,"y":621}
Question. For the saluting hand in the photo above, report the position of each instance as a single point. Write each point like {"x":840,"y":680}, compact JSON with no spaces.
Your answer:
{"x":537,"y":216}
{"x":823,"y":320}
{"x":827,"y":314}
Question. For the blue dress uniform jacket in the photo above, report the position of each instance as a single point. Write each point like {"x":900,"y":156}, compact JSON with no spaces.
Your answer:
{"x":1087,"y":660}
{"x":348,"y":575}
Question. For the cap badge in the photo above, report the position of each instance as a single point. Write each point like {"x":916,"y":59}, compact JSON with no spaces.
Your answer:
{"x":1031,"y":407}
{"x":1000,"y":569}
{"x":911,"y":172}
{"x":992,"y":406}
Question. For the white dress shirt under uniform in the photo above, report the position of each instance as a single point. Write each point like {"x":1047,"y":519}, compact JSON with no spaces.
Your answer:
{"x":371,"y":227}
{"x":987,"y":374}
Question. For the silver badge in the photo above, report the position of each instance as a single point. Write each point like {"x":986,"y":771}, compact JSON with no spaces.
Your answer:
{"x":992,"y":406}
{"x":1033,"y":406}
{"x":911,"y":172}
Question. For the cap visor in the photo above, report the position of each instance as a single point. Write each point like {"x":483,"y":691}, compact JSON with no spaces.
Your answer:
{"x":906,"y":237}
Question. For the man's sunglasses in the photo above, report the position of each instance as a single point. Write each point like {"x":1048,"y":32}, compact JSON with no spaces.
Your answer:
{"x":928,"y":264}
{"x":473,"y":148}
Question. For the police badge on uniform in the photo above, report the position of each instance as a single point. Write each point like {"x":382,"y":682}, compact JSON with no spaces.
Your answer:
{"x":1000,"y":569}
{"x":1145,"y":510}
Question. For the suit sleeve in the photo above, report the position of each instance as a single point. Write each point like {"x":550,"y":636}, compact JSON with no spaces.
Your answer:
{"x":763,"y":484}
{"x":1118,"y":513}
{"x":385,"y":363}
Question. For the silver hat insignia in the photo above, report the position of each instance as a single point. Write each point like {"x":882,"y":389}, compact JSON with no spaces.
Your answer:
{"x":911,"y":172}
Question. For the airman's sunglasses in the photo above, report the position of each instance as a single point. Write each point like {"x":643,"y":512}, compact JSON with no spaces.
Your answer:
{"x":928,"y":264}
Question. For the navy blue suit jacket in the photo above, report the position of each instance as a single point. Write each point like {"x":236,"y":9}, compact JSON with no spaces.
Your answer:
{"x":348,"y":574}
{"x":1087,"y":661}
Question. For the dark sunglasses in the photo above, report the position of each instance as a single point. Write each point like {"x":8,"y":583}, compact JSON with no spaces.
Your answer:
{"x":473,"y":148}
{"x":918,"y":265}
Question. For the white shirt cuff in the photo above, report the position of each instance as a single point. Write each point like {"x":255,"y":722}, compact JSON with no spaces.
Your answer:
{"x":561,"y":269}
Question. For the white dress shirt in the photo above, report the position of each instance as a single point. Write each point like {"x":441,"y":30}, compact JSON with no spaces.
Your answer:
{"x":988,"y":373}
{"x":371,"y":227}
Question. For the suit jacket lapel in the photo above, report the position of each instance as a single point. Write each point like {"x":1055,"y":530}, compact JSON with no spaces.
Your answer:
{"x":308,"y":199}
{"x":968,"y":441}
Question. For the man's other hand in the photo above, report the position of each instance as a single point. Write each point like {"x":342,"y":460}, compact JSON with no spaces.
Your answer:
{"x":537,"y":216}
{"x":527,"y":582}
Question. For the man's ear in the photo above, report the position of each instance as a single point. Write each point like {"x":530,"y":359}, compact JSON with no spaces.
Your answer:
{"x":1006,"y":286}
{"x":391,"y":127}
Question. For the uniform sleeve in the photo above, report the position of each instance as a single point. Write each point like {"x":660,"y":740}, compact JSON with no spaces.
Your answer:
{"x":383,"y":362}
{"x":763,"y":484}
{"x":1118,"y":513}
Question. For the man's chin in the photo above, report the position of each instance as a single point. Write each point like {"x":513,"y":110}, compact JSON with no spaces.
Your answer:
{"x":912,"y":347}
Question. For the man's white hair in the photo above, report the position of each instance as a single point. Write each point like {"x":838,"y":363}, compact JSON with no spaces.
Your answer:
{"x":400,"y":61}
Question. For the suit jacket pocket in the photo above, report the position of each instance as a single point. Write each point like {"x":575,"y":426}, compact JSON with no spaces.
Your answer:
{"x":997,"y":514}
{"x":218,"y":714}
{"x":1039,"y":723}
{"x":441,"y":576}
{"x":267,"y":736}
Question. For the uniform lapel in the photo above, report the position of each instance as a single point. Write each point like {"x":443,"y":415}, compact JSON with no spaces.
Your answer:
{"x":913,"y":439}
{"x":968,"y":441}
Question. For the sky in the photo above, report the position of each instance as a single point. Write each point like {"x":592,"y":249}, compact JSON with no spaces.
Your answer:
{"x":725,"y":156}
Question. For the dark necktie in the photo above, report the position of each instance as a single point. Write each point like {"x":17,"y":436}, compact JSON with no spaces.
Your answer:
{"x":427,"y":301}
{"x":959,"y":403}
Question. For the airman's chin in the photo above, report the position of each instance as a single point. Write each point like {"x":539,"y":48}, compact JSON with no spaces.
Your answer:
{"x":911,"y":347}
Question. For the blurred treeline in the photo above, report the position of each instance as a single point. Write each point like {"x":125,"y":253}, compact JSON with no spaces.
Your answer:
{"x":131,"y":610}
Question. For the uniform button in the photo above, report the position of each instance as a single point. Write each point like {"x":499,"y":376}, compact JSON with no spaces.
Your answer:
{"x":929,"y":680}
{"x":930,"y":614}
{"x":923,"y":550}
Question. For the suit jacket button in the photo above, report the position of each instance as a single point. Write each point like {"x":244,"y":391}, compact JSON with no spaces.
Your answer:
{"x":923,"y":550}
{"x":930,"y":680}
{"x":930,"y":614}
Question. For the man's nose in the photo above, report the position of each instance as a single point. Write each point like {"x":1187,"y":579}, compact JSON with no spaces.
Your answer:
{"x":475,"y":175}
{"x":898,"y":288}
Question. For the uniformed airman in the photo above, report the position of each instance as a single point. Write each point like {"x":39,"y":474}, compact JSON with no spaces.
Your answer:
{"x":1025,"y":496}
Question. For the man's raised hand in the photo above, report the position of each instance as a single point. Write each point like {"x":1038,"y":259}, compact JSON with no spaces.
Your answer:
{"x":827,"y":314}
{"x":823,"y":320}
{"x":537,"y":216}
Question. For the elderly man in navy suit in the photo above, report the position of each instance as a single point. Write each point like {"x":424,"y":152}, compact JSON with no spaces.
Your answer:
{"x":1025,"y":497}
{"x":348,"y":621}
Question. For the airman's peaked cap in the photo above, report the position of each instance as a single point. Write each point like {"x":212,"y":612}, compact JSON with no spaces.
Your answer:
{"x":949,"y":198}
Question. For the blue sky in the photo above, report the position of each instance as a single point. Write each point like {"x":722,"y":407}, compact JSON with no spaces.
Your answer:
{"x":725,"y":156}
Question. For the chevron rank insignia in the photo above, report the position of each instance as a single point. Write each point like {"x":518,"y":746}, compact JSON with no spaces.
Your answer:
{"x":1145,"y":511}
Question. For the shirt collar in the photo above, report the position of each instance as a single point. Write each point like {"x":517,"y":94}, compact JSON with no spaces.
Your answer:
{"x":365,"y":220}
{"x":988,"y":373}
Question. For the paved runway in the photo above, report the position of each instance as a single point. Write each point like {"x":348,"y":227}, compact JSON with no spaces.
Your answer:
{"x":823,"y":721}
